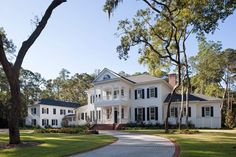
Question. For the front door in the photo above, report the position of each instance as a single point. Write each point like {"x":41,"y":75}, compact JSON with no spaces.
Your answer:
{"x":115,"y":116}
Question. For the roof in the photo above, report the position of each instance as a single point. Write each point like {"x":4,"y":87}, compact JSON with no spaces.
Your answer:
{"x":177,"y":98}
{"x":142,"y":78}
{"x":52,"y":102}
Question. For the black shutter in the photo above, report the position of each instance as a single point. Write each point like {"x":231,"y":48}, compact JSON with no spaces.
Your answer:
{"x":156,"y":92}
{"x":135,"y":94}
{"x":135,"y":114}
{"x":143,"y":114}
{"x":203,"y":112}
{"x":147,"y":92}
{"x":212,"y":111}
{"x":148,"y":118}
{"x":143,"y":93}
{"x":176,"y":112}
{"x":189,"y":111}
{"x":47,"y":110}
{"x":156,"y":113}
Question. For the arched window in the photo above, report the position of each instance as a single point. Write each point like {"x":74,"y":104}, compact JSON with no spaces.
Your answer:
{"x":106,"y":77}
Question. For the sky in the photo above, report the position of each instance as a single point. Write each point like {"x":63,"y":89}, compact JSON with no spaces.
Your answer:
{"x":80,"y":37}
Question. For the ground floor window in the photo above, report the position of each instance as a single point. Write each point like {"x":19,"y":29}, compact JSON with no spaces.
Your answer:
{"x":54,"y":122}
{"x":174,"y":112}
{"x":207,"y":111}
{"x":33,"y":122}
{"x":189,"y":111}
{"x":108,"y":113}
{"x":152,"y":113}
{"x":82,"y":116}
{"x":45,"y":122}
{"x":122,"y":112}
{"x":139,"y":114}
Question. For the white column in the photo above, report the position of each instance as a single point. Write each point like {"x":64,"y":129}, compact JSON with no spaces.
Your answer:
{"x":112,"y":113}
{"x":120,"y":114}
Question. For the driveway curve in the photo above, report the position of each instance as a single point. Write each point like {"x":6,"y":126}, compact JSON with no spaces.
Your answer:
{"x":133,"y":145}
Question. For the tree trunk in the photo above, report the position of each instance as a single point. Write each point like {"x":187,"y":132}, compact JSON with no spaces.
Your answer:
{"x":15,"y":111}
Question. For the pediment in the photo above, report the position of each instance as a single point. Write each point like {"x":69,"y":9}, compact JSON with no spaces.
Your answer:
{"x":106,"y":75}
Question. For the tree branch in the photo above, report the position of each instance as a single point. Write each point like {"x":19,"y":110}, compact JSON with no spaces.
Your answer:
{"x":29,"y":42}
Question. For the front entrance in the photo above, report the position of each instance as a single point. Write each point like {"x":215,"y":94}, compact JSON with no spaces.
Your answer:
{"x":115,"y":116}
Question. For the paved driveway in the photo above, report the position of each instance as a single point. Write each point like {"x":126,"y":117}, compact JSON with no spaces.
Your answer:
{"x":133,"y":145}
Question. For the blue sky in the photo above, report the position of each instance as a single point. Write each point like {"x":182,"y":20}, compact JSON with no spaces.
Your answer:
{"x":80,"y":37}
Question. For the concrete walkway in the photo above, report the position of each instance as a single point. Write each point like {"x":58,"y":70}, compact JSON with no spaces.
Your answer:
{"x":133,"y":145}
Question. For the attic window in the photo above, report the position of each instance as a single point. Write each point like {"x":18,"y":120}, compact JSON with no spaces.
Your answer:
{"x":106,"y":77}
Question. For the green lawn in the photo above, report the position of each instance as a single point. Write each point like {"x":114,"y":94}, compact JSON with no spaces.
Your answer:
{"x":55,"y":145}
{"x":208,"y":143}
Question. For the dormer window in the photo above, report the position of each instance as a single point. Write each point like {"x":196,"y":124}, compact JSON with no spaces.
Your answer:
{"x":106,"y":77}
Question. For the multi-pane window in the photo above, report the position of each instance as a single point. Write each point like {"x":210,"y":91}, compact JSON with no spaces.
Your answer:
{"x":108,"y":113}
{"x":140,"y":93}
{"x":54,"y":122}
{"x":108,"y":95}
{"x":140,"y":114}
{"x":207,"y":111}
{"x":45,"y":110}
{"x":152,"y":113}
{"x":45,"y":122}
{"x":116,"y":94}
{"x":82,"y":116}
{"x":33,"y":110}
{"x":62,"y":112}
{"x":122,"y":92}
{"x":152,"y":92}
{"x":174,"y":112}
{"x":33,"y":122}
{"x":54,"y":111}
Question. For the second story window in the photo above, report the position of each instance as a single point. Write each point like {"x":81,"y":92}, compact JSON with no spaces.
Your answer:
{"x":70,"y":111}
{"x":139,"y":94}
{"x":122,"y":92}
{"x":45,"y":110}
{"x":62,"y":112}
{"x":33,"y":110}
{"x":54,"y":111}
{"x":152,"y":92}
{"x":108,"y":95}
{"x":116,"y":94}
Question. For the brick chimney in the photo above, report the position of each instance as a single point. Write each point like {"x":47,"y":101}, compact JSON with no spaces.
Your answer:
{"x":172,"y":79}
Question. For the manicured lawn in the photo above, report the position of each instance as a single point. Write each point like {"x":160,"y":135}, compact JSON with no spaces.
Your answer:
{"x":55,"y":145}
{"x":207,"y":143}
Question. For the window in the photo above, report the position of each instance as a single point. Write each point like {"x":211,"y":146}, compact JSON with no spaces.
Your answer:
{"x":45,"y":110}
{"x":108,"y":95}
{"x":82,"y":116}
{"x":140,"y":114}
{"x":99,"y":114}
{"x":62,"y":112}
{"x":33,"y":110}
{"x":54,"y":122}
{"x":86,"y":116}
{"x":116,"y":94}
{"x":122,"y":113}
{"x":152,"y":113}
{"x":139,"y":94}
{"x":106,"y":77}
{"x":70,"y":111}
{"x":108,"y":113}
{"x":93,"y":115}
{"x":152,"y":92}
{"x":33,"y":122}
{"x":207,"y":111}
{"x":185,"y":112}
{"x":54,"y":111}
{"x":174,"y":112}
{"x":122,"y":92}
{"x":45,"y":122}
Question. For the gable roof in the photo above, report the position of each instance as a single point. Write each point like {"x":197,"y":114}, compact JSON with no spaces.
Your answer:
{"x":52,"y":102}
{"x":143,"y":78}
{"x":192,"y":97}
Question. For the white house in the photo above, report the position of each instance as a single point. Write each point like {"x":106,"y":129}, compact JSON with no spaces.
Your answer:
{"x":48,"y":112}
{"x":116,"y":99}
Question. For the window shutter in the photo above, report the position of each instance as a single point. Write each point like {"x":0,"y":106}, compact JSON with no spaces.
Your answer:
{"x":143,"y":114}
{"x":147,"y":92}
{"x":203,"y":112}
{"x":156,"y":113}
{"x":212,"y":111}
{"x":189,"y":111}
{"x":156,"y":92}
{"x":148,"y":118}
{"x":135,"y":94}
{"x":135,"y":114}
{"x":176,"y":112}
{"x":47,"y":110}
{"x":143,"y":93}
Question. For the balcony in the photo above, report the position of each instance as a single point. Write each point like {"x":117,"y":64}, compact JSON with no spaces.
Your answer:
{"x":109,"y":100}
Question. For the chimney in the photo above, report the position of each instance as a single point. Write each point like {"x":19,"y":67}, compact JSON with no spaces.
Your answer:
{"x":172,"y":79}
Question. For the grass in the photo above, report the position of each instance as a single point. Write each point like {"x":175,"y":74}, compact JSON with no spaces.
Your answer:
{"x":207,"y":143}
{"x":55,"y":145}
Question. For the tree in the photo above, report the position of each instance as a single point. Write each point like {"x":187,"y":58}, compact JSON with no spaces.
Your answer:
{"x":164,"y":27}
{"x":12,"y":71}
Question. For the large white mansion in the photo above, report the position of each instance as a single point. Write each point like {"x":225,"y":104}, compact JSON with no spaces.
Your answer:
{"x":115,"y":99}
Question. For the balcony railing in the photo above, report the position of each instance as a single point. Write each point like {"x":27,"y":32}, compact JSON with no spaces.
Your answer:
{"x":109,"y":100}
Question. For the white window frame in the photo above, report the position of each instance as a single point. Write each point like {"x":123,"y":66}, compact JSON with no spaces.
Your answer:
{"x":140,"y":93}
{"x":108,"y":113}
{"x":54,"y":122}
{"x":152,"y":92}
{"x":152,"y":116}
{"x":122,"y":113}
{"x":172,"y":111}
{"x":140,"y":114}
{"x":33,"y":122}
{"x":209,"y":111}
{"x":116,"y":93}
{"x":33,"y":111}
{"x":122,"y":92}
